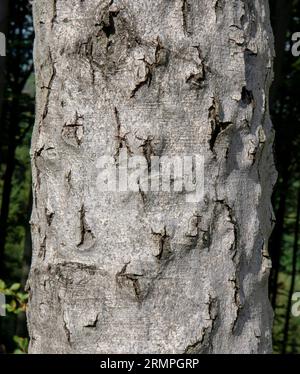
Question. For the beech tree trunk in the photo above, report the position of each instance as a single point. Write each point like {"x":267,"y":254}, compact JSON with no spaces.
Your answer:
{"x":137,"y":272}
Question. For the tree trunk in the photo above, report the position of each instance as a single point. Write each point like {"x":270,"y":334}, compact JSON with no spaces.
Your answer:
{"x":151,"y":272}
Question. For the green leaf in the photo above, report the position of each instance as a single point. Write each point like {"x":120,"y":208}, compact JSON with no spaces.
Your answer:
{"x":22,"y":296}
{"x":15,"y":286}
{"x":18,"y":352}
{"x":8,"y":292}
{"x":22,"y":344}
{"x":2,"y":285}
{"x":9,"y":308}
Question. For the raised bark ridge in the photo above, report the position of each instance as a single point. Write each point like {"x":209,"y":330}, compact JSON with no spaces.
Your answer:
{"x":151,"y":273}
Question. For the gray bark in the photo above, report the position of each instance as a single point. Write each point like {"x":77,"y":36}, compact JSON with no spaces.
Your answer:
{"x":151,"y":273}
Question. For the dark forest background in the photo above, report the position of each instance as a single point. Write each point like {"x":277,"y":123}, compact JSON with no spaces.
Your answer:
{"x":16,"y":122}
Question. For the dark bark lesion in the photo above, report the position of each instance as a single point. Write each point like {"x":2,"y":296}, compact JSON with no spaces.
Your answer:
{"x":66,"y":330}
{"x":87,"y":237}
{"x":147,"y":149}
{"x":204,"y":344}
{"x":123,"y":277}
{"x":185,"y":10}
{"x":54,"y":16}
{"x":49,"y":216}
{"x":219,"y":8}
{"x":146,"y":80}
{"x":93,"y":324}
{"x":217,"y":126}
{"x":42,"y":249}
{"x":194,"y":231}
{"x":247,"y":97}
{"x":72,"y":133}
{"x":164,"y":244}
{"x":197,"y":79}
{"x":160,"y":59}
{"x":233,"y":221}
{"x":122,"y":140}
{"x":49,"y":85}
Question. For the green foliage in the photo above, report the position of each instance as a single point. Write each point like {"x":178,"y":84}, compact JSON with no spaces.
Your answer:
{"x":17,"y":304}
{"x":22,"y":345}
{"x":293,"y":344}
{"x":17,"y":299}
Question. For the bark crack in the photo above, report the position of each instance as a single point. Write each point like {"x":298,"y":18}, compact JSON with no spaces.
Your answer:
{"x":72,"y":133}
{"x":37,"y":154}
{"x":219,"y":8}
{"x":217,"y":126}
{"x":159,"y":59}
{"x":49,"y":216}
{"x":66,"y":330}
{"x":185,"y":9}
{"x":205,"y":340}
{"x":86,"y":235}
{"x":94,"y":323}
{"x":54,"y":17}
{"x":147,"y":149}
{"x":247,"y":96}
{"x":233,"y":221}
{"x":196,"y":346}
{"x":164,"y":250}
{"x":42,"y":251}
{"x":49,"y":85}
{"x":109,"y":28}
{"x":87,"y":49}
{"x":121,"y":139}
{"x":133,"y":278}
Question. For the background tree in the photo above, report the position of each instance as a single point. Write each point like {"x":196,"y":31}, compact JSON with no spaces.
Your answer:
{"x":285,"y":116}
{"x":15,"y":128}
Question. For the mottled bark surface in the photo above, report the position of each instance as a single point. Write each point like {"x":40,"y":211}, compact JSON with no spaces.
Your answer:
{"x":136,"y":273}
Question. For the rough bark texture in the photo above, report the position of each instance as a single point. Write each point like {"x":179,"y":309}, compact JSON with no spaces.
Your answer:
{"x":135,"y":273}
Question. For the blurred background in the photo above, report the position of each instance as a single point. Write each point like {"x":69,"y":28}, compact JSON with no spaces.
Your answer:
{"x":16,"y":122}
